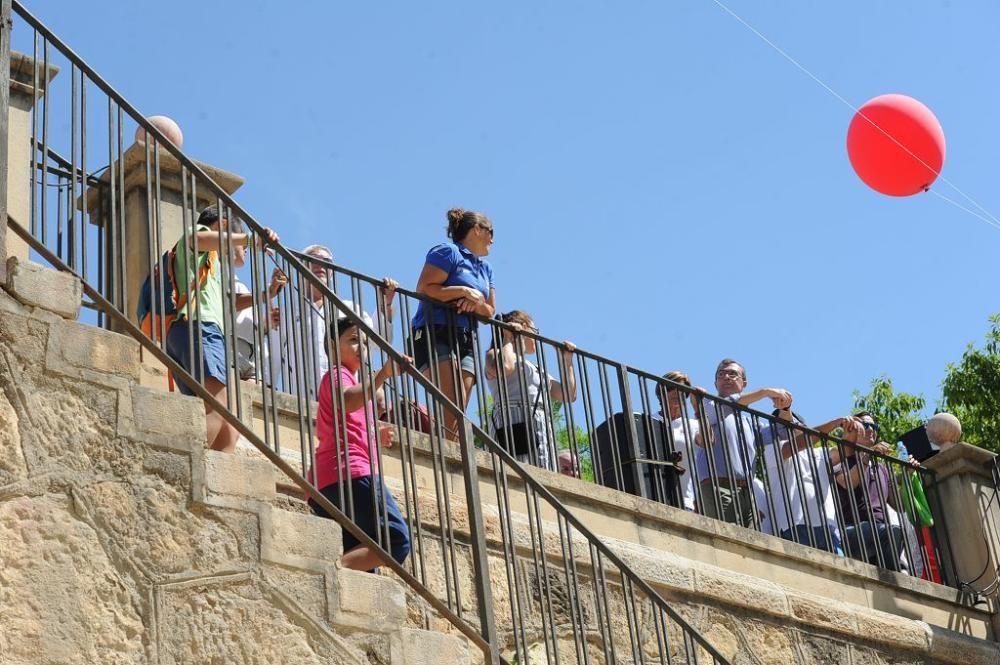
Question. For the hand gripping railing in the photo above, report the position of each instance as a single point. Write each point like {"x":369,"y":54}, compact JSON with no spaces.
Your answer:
{"x":524,"y":579}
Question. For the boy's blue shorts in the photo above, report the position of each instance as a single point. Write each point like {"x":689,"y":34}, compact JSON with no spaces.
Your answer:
{"x":368,"y":493}
{"x":212,"y":347}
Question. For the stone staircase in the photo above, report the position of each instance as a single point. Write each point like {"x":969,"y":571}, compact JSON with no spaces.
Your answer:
{"x":125,"y":541}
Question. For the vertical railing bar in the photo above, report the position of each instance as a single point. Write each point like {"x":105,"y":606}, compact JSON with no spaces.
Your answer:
{"x":43,"y":192}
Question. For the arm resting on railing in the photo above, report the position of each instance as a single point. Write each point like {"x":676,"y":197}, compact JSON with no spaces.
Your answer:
{"x":431,"y":283}
{"x":565,"y":390}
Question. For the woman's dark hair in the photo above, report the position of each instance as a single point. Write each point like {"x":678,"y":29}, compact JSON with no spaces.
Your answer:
{"x":513,"y":316}
{"x":460,"y":222}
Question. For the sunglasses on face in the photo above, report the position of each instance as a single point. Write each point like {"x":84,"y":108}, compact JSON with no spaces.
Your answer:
{"x":871,"y":427}
{"x":729,"y":374}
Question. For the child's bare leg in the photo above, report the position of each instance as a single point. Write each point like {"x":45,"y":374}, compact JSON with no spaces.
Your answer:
{"x":362,"y":558}
{"x":220,"y":434}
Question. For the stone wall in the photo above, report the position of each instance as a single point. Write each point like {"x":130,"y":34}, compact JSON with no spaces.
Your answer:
{"x":122,"y":541}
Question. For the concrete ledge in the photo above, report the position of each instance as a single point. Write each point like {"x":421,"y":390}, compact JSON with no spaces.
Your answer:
{"x":38,"y":286}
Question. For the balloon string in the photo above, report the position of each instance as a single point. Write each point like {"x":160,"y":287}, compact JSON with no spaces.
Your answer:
{"x":963,"y":208}
{"x":993,"y":220}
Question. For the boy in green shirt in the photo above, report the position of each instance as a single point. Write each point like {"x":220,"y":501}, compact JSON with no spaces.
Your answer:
{"x":196,"y":338}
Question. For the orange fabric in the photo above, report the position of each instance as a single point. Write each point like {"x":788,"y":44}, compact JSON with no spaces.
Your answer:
{"x":153,"y":323}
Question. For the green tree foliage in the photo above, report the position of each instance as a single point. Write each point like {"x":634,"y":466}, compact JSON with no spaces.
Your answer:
{"x":896,"y":412}
{"x":581,"y":439}
{"x":972,"y":391}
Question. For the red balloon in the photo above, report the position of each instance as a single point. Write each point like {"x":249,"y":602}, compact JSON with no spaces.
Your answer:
{"x":883,"y":163}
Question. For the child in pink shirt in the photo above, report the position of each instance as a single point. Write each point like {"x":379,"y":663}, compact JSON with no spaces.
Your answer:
{"x":355,"y":460}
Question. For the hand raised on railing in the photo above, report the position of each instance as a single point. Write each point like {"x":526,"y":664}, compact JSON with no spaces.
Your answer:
{"x":390,"y":285}
{"x":781,"y":398}
{"x":472,"y":306}
{"x":278,"y":282}
{"x":569,"y":348}
{"x":267,"y":237}
{"x":392,"y":368}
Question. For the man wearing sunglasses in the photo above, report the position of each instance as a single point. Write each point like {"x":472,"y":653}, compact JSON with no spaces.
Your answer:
{"x":866,"y":491}
{"x":725,"y":465}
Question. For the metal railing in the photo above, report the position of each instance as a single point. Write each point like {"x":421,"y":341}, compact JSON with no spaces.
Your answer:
{"x":524,"y":580}
{"x":589,"y":416}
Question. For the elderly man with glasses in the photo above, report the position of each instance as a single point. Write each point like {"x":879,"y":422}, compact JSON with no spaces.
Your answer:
{"x":297,"y":335}
{"x":725,"y":465}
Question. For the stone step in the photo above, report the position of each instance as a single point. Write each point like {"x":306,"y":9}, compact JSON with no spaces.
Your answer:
{"x":237,"y":477}
{"x":37,"y":286}
{"x":424,"y":647}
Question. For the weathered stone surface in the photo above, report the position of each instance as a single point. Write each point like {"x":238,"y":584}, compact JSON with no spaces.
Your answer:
{"x":239,"y":623}
{"x":78,"y":346}
{"x":819,"y":650}
{"x":61,"y":598}
{"x":12,"y":465}
{"x":147,"y":519}
{"x":306,"y":535}
{"x":38,"y":286}
{"x":371,"y":600}
{"x":421,"y":647}
{"x":949,"y":646}
{"x":170,"y":420}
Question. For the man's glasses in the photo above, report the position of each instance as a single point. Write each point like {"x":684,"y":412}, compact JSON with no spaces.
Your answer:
{"x":872,"y":427}
{"x":729,"y":374}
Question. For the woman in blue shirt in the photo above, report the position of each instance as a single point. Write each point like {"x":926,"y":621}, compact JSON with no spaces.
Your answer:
{"x":455,"y":273}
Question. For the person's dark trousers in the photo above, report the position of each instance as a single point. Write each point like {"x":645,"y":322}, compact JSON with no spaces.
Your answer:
{"x":728,"y":500}
{"x":814,"y":537}
{"x":861,"y":538}
{"x":375,"y":509}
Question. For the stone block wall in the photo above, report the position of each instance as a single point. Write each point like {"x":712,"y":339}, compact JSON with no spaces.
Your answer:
{"x":123,"y":541}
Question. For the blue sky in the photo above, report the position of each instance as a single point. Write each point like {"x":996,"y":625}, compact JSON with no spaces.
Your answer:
{"x":665,"y":188}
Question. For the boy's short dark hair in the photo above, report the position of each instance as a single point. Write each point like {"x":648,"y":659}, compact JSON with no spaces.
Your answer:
{"x":341,"y":325}
{"x":209,"y":216}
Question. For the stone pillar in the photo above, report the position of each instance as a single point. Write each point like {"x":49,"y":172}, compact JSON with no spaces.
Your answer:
{"x":22,"y":101}
{"x":970,"y":515}
{"x":141,"y":199}
{"x":140,"y":195}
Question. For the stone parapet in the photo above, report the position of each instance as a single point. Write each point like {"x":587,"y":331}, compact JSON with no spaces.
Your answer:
{"x":969,"y":516}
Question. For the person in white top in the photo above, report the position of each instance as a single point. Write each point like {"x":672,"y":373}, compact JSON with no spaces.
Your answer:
{"x":800,"y":482}
{"x":297,"y":339}
{"x":685,"y":433}
{"x":519,"y":418}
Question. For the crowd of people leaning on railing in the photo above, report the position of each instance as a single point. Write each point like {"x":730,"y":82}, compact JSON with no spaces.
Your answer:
{"x":706,"y":453}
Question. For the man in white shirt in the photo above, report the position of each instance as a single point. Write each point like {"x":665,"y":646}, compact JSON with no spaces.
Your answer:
{"x":725,"y":465}
{"x":297,"y":339}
